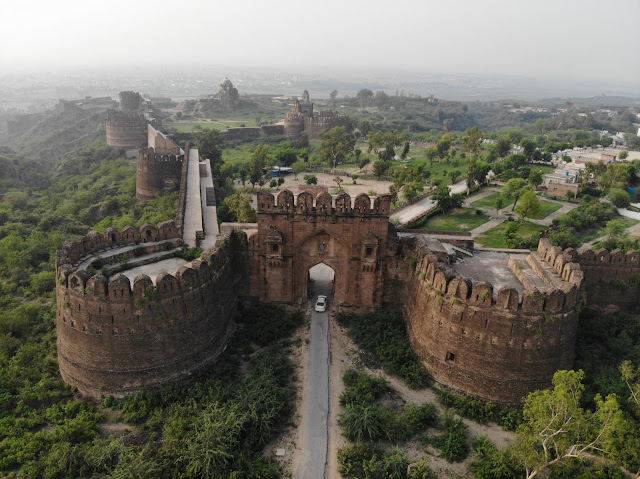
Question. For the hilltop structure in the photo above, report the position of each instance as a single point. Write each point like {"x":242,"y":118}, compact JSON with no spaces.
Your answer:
{"x":302,"y":118}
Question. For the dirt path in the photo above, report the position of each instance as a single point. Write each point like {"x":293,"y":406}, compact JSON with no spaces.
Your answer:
{"x":344,"y":355}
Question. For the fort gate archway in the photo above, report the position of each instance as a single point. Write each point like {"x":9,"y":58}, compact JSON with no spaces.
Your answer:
{"x":294,"y":234}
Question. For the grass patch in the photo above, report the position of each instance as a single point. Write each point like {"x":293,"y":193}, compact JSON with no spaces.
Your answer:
{"x":384,"y":334}
{"x":494,"y":238}
{"x":459,"y":219}
{"x":490,"y":201}
{"x":546,"y":208}
{"x":189,"y":126}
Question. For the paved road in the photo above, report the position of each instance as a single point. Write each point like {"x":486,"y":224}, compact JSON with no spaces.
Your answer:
{"x":316,"y":411}
{"x":408,"y":213}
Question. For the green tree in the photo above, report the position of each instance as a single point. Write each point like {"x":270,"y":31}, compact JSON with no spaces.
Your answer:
{"x":333,"y":95}
{"x":616,"y":230}
{"x":362,"y":164}
{"x":631,"y":377}
{"x":499,"y":203}
{"x":623,"y":155}
{"x":556,"y":428}
{"x":239,"y":205}
{"x":286,"y":155}
{"x":571,"y":195}
{"x":619,"y":198}
{"x":529,"y":205}
{"x":209,"y":143}
{"x":514,"y":189}
{"x":336,"y":144}
{"x":472,"y":141}
{"x":431,"y":153}
{"x":443,"y":146}
{"x":383,"y":143}
{"x":381,"y":99}
{"x":445,"y":200}
{"x":413,"y":190}
{"x":364,"y":96}
{"x":380,"y":168}
{"x":310,"y":179}
{"x":405,"y":150}
{"x":503,"y":145}
{"x":528,"y":147}
{"x":535,"y":177}
{"x":298,"y":167}
{"x":454,"y":175}
{"x":510,"y":234}
{"x":338,"y":181}
{"x":258,"y":163}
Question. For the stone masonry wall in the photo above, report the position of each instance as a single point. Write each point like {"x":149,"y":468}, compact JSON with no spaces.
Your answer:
{"x":114,"y":338}
{"x":296,"y":233}
{"x":611,"y":277}
{"x":497,"y":347}
{"x":126,"y":129}
{"x":158,"y":170}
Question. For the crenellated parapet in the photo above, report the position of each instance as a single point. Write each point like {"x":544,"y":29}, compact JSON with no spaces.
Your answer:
{"x":116,"y":336}
{"x":611,"y":278}
{"x":494,"y":343}
{"x":130,"y":100}
{"x":94,"y":242}
{"x":127,"y":129}
{"x":158,"y":170}
{"x":295,"y":233}
{"x":323,"y":204}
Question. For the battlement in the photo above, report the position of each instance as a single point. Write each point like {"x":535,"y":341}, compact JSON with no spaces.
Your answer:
{"x":158,"y":170}
{"x":498,"y":343}
{"x":93,"y":242}
{"x":160,"y":154}
{"x":553,"y":292}
{"x":116,"y":335}
{"x":323,"y":204}
{"x":130,"y":100}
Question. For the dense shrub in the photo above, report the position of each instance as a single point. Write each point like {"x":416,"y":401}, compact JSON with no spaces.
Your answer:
{"x":384,"y":333}
{"x":453,"y":441}
{"x":362,"y":388}
{"x":489,"y":462}
{"x":481,"y":411}
{"x":367,"y":461}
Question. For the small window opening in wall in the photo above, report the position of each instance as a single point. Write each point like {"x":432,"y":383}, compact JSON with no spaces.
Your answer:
{"x":274,"y":248}
{"x":148,"y":233}
{"x":369,"y":252}
{"x":450,"y":357}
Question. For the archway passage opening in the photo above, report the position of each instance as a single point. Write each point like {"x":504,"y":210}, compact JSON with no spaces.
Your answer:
{"x":321,"y":281}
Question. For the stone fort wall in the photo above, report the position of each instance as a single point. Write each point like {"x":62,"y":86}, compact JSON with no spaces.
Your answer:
{"x":296,"y":233}
{"x":496,"y":346}
{"x":126,"y":129}
{"x":611,"y":277}
{"x":158,"y":170}
{"x":115,"y":338}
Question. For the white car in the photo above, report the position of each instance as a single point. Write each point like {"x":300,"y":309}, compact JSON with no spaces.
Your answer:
{"x":321,"y":304}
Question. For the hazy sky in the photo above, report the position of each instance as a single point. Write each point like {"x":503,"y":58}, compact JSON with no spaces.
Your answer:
{"x":592,"y":39}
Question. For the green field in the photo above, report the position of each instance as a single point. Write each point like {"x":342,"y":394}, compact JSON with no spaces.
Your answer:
{"x":189,"y":126}
{"x":238,"y":154}
{"x":459,"y":219}
{"x":546,"y":208}
{"x":490,"y":201}
{"x":494,"y":239}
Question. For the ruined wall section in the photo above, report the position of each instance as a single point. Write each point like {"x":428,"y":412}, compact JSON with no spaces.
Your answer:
{"x":611,"y":277}
{"x":495,"y":346}
{"x":126,"y":129}
{"x":116,"y":338}
{"x":157,"y":139}
{"x":158,"y":170}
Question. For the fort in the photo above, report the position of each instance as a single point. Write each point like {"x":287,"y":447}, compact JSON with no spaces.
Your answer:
{"x":495,"y":324}
{"x":302,"y":118}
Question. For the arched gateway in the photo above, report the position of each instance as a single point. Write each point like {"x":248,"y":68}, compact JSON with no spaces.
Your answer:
{"x":295,"y":234}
